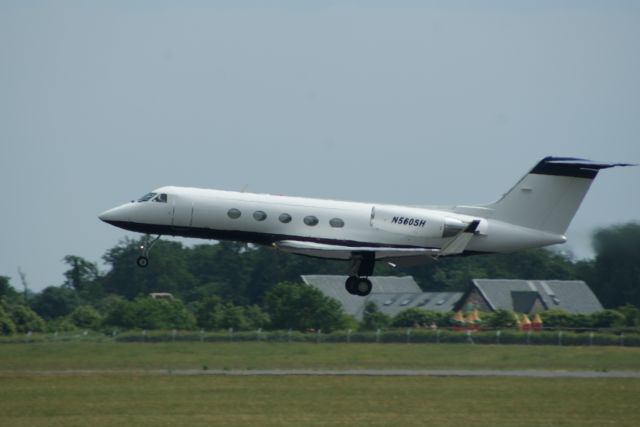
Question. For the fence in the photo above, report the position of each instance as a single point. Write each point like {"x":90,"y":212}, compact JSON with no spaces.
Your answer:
{"x":404,"y":336}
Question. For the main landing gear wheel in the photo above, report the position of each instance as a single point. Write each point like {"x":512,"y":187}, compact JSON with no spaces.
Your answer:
{"x":360,"y":286}
{"x":350,"y":285}
{"x":142,"y":261}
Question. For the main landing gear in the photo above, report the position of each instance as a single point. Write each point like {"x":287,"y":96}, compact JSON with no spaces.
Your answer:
{"x":360,"y":286}
{"x":143,"y":260}
{"x":362,"y":266}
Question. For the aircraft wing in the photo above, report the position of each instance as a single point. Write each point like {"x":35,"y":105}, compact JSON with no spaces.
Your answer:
{"x":322,"y":250}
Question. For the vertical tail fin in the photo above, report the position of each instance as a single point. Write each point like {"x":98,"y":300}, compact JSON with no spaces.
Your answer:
{"x":548,"y":197}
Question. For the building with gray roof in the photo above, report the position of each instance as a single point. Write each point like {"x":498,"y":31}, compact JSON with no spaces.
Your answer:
{"x":391,"y":294}
{"x":530,"y":296}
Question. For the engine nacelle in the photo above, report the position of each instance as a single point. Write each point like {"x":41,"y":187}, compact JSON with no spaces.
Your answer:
{"x":421,"y":224}
{"x":417,"y":223}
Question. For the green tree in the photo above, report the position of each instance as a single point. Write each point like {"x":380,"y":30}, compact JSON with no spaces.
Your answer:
{"x":226,"y":265}
{"x":83,"y":277}
{"x":167,"y":271}
{"x":302,"y":307}
{"x":8,"y":292}
{"x":373,"y":318}
{"x":55,"y":302}
{"x":81,"y":273}
{"x":616,"y":271}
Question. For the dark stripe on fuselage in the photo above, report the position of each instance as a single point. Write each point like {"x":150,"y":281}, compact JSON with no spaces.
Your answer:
{"x":241,"y":236}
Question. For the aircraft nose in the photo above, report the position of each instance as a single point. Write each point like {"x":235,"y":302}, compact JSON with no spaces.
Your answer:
{"x":113,"y":215}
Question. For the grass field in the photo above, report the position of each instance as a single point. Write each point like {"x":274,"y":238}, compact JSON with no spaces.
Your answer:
{"x":109,"y":355}
{"x":127,"y":399}
{"x":295,"y":401}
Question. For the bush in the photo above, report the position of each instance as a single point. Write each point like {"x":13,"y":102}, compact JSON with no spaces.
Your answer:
{"x":61,"y":324}
{"x":416,"y":317}
{"x":607,"y":319}
{"x":500,"y":319}
{"x":7,"y":327}
{"x":86,"y":317}
{"x":631,"y":315}
{"x":373,"y":318}
{"x":149,"y":313}
{"x":232,"y":316}
{"x":25,"y":319}
{"x":256,"y":318}
{"x":556,"y":319}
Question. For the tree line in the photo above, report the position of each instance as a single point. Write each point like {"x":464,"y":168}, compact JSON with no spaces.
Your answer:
{"x":234,"y":285}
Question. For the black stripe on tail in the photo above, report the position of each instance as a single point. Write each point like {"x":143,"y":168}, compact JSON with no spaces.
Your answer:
{"x":573,"y":167}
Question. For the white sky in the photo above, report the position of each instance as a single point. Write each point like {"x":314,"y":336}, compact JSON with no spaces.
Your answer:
{"x":411,"y":102}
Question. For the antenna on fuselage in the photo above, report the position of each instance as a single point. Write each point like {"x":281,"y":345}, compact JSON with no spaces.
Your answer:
{"x":244,"y":188}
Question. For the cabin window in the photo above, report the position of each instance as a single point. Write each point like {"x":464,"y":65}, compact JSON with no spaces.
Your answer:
{"x":161,"y":198}
{"x":234,"y":213}
{"x":259,"y":215}
{"x":147,"y":197}
{"x":336,"y":223}
{"x":311,"y":220}
{"x":285,"y":218}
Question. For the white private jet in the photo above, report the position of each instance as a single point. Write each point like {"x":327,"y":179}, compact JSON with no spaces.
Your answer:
{"x":534,"y":213}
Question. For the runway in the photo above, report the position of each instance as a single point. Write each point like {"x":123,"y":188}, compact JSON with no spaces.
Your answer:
{"x":331,"y":372}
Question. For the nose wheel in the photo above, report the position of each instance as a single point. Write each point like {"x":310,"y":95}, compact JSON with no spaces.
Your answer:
{"x":360,"y":286}
{"x":143,"y":260}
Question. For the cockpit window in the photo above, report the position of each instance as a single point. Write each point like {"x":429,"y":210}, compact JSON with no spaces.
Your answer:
{"x":147,"y":197}
{"x":161,"y":198}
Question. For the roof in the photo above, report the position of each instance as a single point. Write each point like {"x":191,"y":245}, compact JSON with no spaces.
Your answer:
{"x":390,"y":293}
{"x":572,"y":296}
{"x":524,"y":301}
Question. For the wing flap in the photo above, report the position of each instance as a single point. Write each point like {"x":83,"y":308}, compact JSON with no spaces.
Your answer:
{"x":323,"y":250}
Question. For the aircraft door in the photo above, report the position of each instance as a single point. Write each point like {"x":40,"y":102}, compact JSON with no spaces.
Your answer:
{"x":182,"y":212}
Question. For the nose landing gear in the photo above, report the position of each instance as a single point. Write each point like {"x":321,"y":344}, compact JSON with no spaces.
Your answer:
{"x":143,"y":260}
